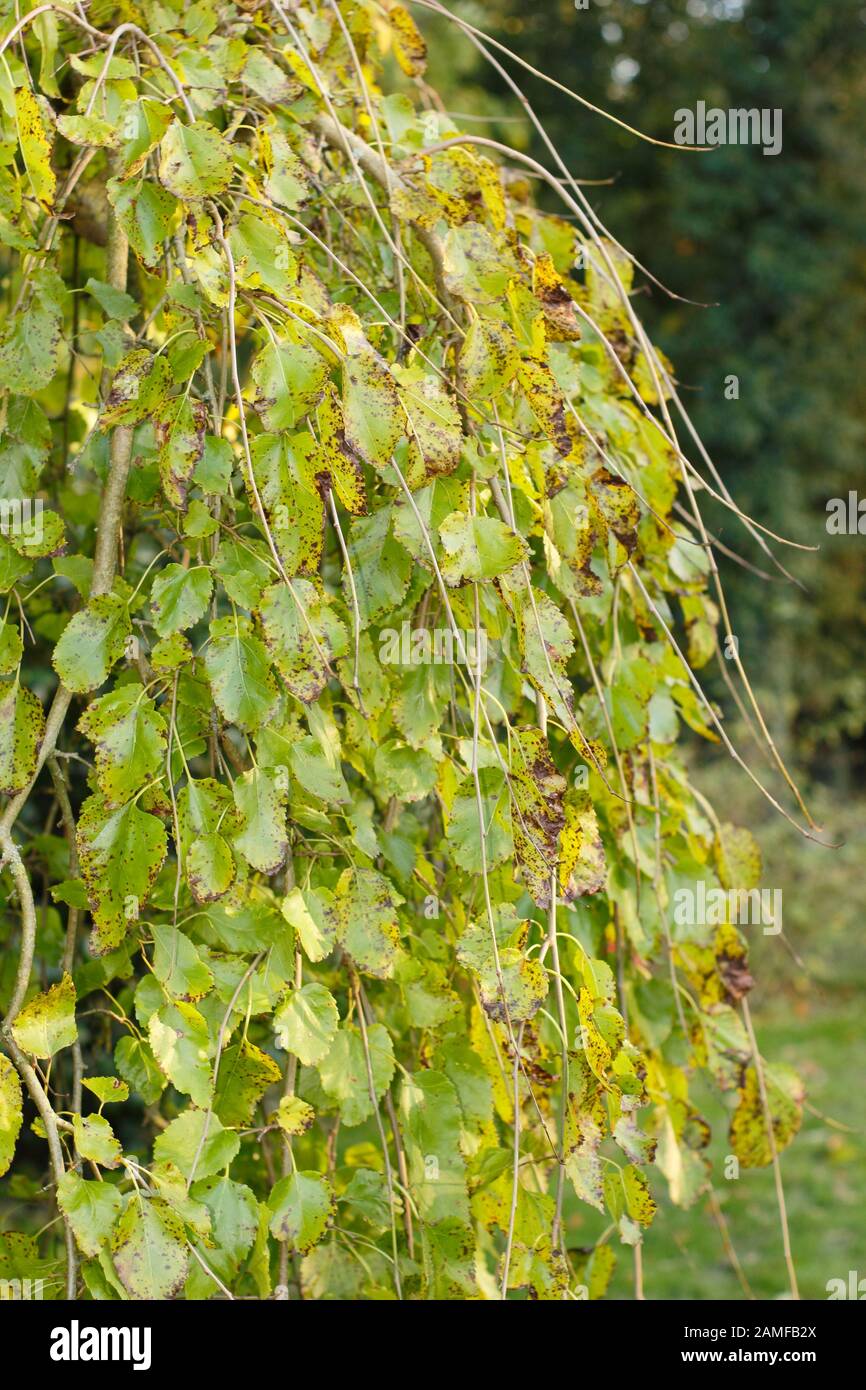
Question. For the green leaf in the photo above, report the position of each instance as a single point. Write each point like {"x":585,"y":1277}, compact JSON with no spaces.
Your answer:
{"x":315,"y":772}
{"x":92,"y":641}
{"x":95,"y":1140}
{"x":365,"y":913}
{"x":305,"y":1023}
{"x":478,"y":547}
{"x":523,"y":986}
{"x":91,"y":1209}
{"x":343,"y":1071}
{"x":30,"y":345}
{"x":149,"y":1249}
{"x":372,"y":414}
{"x":178,"y":965}
{"x":135,"y":1061}
{"x":181,"y":1045}
{"x":180,"y":597}
{"x":106,"y":1088}
{"x":260,"y":797}
{"x":380,"y":566}
{"x":47,"y":1023}
{"x":22,"y":724}
{"x":234,"y":1215}
{"x":11,"y":1112}
{"x":195,"y":161}
{"x":307,"y":910}
{"x":239,"y":672}
{"x":301,"y":1207}
{"x":303,"y":634}
{"x":35,"y":142}
{"x":121,"y":853}
{"x":129,"y":734}
{"x":245,"y":1074}
{"x":181,"y":1143}
{"x":115,"y":304}
{"x":147,"y":213}
{"x":289,"y":377}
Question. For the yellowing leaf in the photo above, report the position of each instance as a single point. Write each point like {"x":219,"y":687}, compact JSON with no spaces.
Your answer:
{"x":35,"y":146}
{"x":47,"y":1023}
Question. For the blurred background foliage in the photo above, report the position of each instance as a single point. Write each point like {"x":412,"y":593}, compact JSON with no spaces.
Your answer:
{"x":775,"y":245}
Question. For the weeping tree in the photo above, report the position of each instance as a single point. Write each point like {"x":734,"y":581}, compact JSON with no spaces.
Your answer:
{"x":356,"y":595}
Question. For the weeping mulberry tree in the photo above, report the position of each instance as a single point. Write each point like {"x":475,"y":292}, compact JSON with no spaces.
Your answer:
{"x":356,"y":595}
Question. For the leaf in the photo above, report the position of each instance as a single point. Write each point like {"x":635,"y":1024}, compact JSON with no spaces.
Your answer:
{"x":139,"y":388}
{"x":91,"y":1209}
{"x":343,"y":1071}
{"x":22,"y":724}
{"x":180,"y":597}
{"x":287,"y":473}
{"x":373,"y":419}
{"x":239,"y":673}
{"x":11,"y":1112}
{"x":434,"y":427}
{"x":129,"y":734}
{"x":488,"y":359}
{"x":538,"y":816}
{"x":410,"y":48}
{"x":738,"y":857}
{"x":464,"y":827}
{"x":305,"y":1023}
{"x":35,"y":147}
{"x":365,"y":914}
{"x":294,"y":1116}
{"x":149,"y":1250}
{"x":106,"y":1088}
{"x":290,"y":378}
{"x":30,"y":345}
{"x":381,"y":567}
{"x":301,"y":1207}
{"x":748,"y":1132}
{"x":303,"y":634}
{"x":307,"y":911}
{"x":92,"y":641}
{"x":478,"y":547}
{"x":135,"y":1061}
{"x":47,"y":1023}
{"x":178,"y":965}
{"x":430,"y":1122}
{"x":245,"y":1074}
{"x":315,"y":772}
{"x":120,"y":852}
{"x":194,"y":1137}
{"x":342,"y":463}
{"x":195,"y":161}
{"x":234,"y":1215}
{"x":181,"y":427}
{"x":524,"y":982}
{"x":147,"y":213}
{"x":114,"y":303}
{"x":95,"y":1140}
{"x":582,"y":865}
{"x":181,"y":1045}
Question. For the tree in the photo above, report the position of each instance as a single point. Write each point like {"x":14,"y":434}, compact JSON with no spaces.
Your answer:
{"x":350,"y":630}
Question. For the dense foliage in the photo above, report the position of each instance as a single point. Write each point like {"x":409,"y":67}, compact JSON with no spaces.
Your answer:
{"x":771,"y":246}
{"x":343,"y":672}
